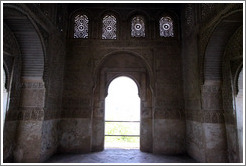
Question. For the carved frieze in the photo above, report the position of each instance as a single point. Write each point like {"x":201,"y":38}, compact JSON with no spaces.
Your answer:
{"x":31,"y":113}
{"x":169,"y":113}
{"x":208,"y":26}
{"x":128,"y":44}
{"x":205,"y":116}
{"x":211,"y":97}
{"x":207,"y":10}
{"x":76,"y":113}
{"x":194,"y":133}
{"x":189,"y":14}
{"x":33,"y":85}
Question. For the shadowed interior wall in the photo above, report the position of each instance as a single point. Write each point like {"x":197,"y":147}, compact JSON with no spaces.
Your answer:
{"x":163,"y":58}
{"x":34,"y":105}
{"x":57,"y":83}
{"x":206,"y":133}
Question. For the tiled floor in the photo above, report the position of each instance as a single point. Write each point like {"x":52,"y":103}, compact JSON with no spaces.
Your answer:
{"x":119,"y":156}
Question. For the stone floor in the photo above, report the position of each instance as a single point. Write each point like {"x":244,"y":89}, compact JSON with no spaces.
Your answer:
{"x":119,"y":156}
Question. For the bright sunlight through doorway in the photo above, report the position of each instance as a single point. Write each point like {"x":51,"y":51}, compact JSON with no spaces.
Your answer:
{"x":122,"y":114}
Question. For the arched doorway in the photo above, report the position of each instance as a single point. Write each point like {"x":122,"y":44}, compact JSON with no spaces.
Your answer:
{"x":239,"y":113}
{"x":5,"y":96}
{"x":122,"y":114}
{"x":26,"y":86}
{"x":112,"y":66}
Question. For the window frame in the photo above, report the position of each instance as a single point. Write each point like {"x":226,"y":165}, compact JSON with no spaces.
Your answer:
{"x":116,"y":26}
{"x":131,"y":27}
{"x":88,"y":29}
{"x":173,"y":26}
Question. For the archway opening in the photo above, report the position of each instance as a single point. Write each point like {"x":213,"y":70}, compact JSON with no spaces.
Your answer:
{"x":122,"y":114}
{"x":5,"y":96}
{"x":239,"y":113}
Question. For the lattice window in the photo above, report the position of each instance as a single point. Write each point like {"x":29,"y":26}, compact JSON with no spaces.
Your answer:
{"x":109,"y":27}
{"x":166,"y":27}
{"x":138,"y":27}
{"x":81,"y":26}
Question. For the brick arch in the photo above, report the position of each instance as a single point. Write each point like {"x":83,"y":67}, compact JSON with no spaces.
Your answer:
{"x":29,"y":39}
{"x":112,"y":66}
{"x":215,"y":49}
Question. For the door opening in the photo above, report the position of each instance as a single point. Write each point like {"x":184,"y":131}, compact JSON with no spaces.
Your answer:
{"x":122,"y":115}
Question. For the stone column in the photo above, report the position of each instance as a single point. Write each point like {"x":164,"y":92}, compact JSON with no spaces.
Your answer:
{"x":146,"y":135}
{"x":214,"y":132}
{"x":98,"y":116}
{"x":31,"y":115}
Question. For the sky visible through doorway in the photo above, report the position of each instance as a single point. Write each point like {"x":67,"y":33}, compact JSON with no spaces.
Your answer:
{"x":122,"y":104}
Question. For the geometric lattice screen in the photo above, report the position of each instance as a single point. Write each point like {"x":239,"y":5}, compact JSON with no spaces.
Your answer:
{"x":109,"y":27}
{"x":81,"y":26}
{"x":138,"y":28}
{"x":166,"y":27}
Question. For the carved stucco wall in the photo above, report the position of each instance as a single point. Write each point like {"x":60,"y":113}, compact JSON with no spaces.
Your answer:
{"x":53,"y":99}
{"x":38,"y":102}
{"x":11,"y":61}
{"x":184,"y":114}
{"x":84,"y":56}
{"x":232,"y":65}
{"x":203,"y":100}
{"x":194,"y":117}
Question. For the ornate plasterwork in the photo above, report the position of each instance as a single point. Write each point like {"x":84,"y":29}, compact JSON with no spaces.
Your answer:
{"x":109,"y":27}
{"x":166,"y":27}
{"x":138,"y":27}
{"x":81,"y":26}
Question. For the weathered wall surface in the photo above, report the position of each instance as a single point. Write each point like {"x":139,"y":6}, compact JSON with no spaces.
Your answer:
{"x":77,"y":101}
{"x":169,"y":112}
{"x":195,"y":145}
{"x":239,"y":112}
{"x":53,"y":101}
{"x":233,"y":64}
{"x":205,"y":113}
{"x":36,"y":92}
{"x":163,"y":58}
{"x":183,"y":107}
{"x":54,"y":40}
{"x":11,"y":61}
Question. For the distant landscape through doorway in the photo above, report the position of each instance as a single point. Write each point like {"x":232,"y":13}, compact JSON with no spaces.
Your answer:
{"x":122,"y":114}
